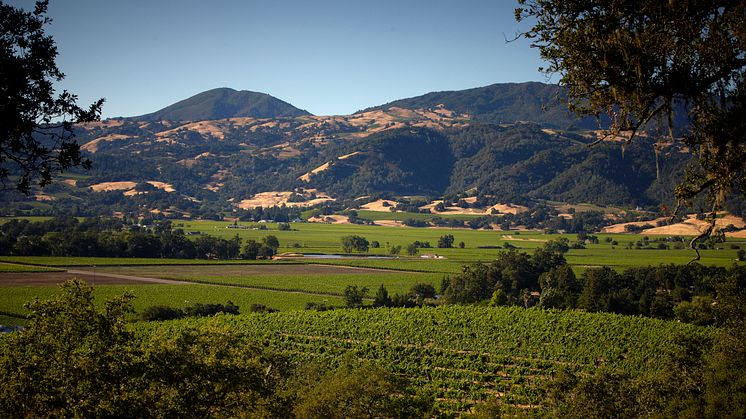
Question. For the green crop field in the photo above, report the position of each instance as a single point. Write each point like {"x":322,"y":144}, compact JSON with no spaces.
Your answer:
{"x":466,"y":354}
{"x":12,"y":267}
{"x":400,"y":264}
{"x":463,"y":355}
{"x":13,"y":298}
{"x":281,"y":283}
{"x":32,"y":218}
{"x":326,"y":238}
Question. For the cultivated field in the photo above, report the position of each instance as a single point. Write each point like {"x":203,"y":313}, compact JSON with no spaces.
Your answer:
{"x":466,"y":354}
{"x":325,"y":238}
{"x":462,"y":355}
{"x":290,"y":283}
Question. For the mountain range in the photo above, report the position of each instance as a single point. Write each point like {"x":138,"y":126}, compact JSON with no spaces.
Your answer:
{"x":509,"y":143}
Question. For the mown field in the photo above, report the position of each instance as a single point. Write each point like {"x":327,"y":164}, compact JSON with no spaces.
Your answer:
{"x":464,"y":355}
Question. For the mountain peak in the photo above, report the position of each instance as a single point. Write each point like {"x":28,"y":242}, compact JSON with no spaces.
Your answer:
{"x":224,"y":102}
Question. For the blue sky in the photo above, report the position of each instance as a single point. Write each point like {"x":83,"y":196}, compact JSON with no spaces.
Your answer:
{"x":328,"y":57}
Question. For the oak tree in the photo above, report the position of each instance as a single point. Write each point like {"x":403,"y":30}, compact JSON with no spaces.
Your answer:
{"x":642,"y":64}
{"x":36,"y":124}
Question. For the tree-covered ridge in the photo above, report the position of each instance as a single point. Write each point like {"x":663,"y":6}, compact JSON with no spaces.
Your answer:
{"x":224,"y":103}
{"x":503,"y":103}
{"x":503,"y":164}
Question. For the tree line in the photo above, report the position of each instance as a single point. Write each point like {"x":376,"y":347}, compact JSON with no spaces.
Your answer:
{"x":101,"y":237}
{"x":544,"y":279}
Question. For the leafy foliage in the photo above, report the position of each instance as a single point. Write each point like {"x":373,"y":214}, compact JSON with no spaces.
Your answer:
{"x":636,"y":62}
{"x":354,"y":242}
{"x":94,"y":366}
{"x":160,"y":312}
{"x":354,"y":296}
{"x":66,"y":236}
{"x":33,"y":142}
{"x":362,"y":390}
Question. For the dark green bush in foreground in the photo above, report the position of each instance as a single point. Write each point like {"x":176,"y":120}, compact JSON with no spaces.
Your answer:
{"x":74,"y":360}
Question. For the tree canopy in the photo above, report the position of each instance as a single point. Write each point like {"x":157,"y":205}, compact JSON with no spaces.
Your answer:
{"x":36,"y":124}
{"x":642,"y":64}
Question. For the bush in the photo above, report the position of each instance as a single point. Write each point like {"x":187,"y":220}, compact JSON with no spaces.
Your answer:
{"x":357,"y":243}
{"x":95,"y":367}
{"x":446,"y":242}
{"x":362,"y":390}
{"x":157,"y":313}
{"x":318,"y":306}
{"x":354,"y":296}
{"x":261,"y":308}
{"x":205,"y":310}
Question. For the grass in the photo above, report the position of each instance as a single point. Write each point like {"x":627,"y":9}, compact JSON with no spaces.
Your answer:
{"x":13,"y":267}
{"x":326,"y":238}
{"x":12,"y":299}
{"x":6,"y":320}
{"x":410,"y":265}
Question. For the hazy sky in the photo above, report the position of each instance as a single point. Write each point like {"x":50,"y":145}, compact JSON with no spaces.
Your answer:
{"x":328,"y":57}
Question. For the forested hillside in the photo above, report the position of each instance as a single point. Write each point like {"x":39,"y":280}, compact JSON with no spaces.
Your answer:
{"x":224,"y":103}
{"x":503,"y":103}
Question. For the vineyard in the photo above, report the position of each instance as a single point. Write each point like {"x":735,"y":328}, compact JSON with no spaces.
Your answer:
{"x":465,"y":355}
